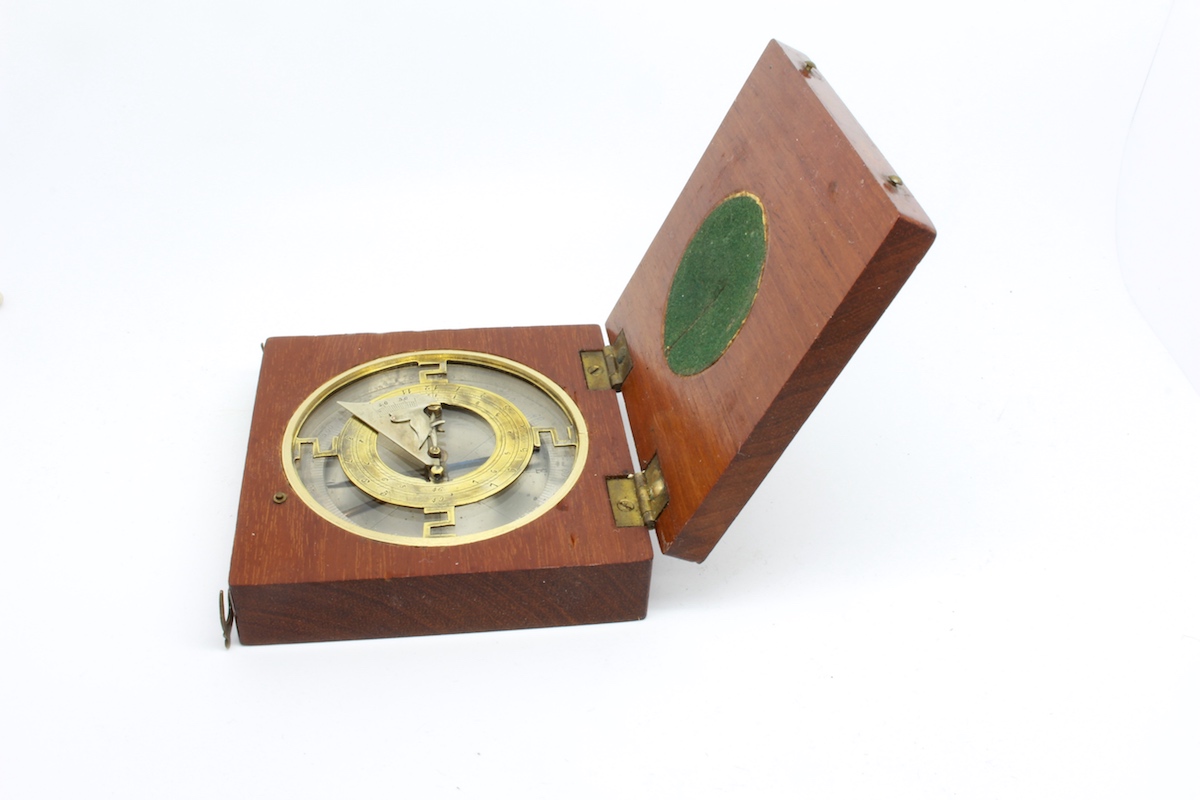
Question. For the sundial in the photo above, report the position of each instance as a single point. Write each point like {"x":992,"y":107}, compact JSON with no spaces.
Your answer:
{"x":479,"y":479}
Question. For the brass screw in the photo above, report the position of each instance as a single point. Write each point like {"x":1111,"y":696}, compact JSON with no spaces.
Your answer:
{"x":279,"y":497}
{"x":625,"y":505}
{"x":894,"y":180}
{"x":808,"y":67}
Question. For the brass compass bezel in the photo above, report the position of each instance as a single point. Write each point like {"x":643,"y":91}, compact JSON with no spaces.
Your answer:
{"x":433,"y":358}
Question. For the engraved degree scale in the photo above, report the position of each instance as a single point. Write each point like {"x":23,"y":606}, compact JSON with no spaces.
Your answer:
{"x":466,"y":480}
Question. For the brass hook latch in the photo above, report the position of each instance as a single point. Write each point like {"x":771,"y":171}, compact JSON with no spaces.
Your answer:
{"x":226,"y":609}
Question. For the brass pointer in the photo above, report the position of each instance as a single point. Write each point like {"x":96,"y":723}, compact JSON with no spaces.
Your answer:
{"x":413,"y":427}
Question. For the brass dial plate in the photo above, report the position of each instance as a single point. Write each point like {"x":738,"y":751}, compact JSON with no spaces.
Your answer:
{"x":505,"y":443}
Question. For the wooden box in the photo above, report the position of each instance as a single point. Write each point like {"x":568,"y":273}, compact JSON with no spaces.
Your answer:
{"x":786,"y":245}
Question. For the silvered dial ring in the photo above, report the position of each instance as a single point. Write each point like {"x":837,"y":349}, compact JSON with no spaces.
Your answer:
{"x":357,"y":451}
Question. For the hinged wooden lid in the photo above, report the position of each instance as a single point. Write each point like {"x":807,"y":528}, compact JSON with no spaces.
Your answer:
{"x":792,"y":185}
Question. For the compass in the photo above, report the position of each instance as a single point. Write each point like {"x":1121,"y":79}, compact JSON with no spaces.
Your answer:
{"x":449,"y":481}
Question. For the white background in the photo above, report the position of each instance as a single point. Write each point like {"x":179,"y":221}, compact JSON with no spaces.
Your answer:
{"x":975,"y":573}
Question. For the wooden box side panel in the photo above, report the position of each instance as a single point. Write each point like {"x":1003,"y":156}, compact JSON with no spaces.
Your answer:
{"x":371,"y":609}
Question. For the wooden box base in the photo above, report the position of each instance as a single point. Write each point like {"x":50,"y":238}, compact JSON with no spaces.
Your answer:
{"x":296,"y":577}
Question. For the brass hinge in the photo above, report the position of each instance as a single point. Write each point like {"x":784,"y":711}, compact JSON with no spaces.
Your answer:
{"x":638,"y":499}
{"x":607,"y":368}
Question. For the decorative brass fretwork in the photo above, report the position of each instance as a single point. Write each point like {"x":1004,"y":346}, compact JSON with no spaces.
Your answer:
{"x":448,"y":522}
{"x":317,"y":452}
{"x":569,"y":441}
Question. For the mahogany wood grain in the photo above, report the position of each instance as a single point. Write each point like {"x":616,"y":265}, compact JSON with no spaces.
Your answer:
{"x":841,"y":241}
{"x":295,"y":577}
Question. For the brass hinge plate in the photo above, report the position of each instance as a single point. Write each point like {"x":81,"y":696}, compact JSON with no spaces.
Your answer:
{"x":638,"y":499}
{"x":607,"y":368}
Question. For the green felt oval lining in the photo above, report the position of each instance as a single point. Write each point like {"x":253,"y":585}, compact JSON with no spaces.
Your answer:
{"x":715,"y":284}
